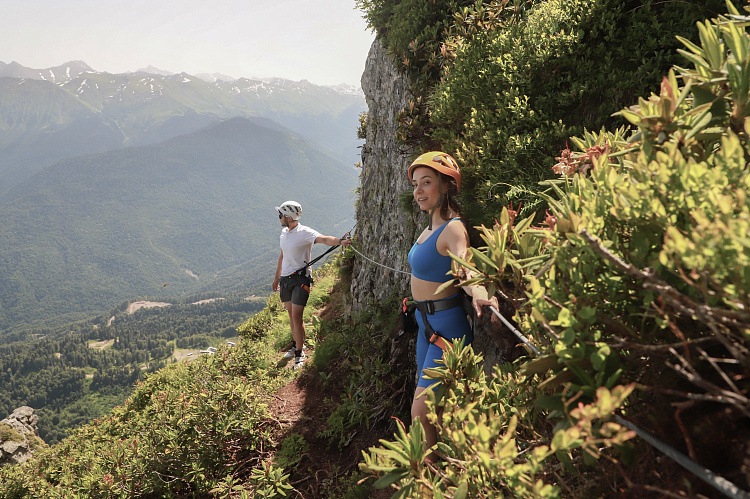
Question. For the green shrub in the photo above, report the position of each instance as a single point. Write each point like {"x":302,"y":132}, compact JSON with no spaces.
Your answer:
{"x":413,"y":30}
{"x":291,"y":451}
{"x":637,"y":296}
{"x":181,"y":432}
{"x":512,"y":96}
{"x":270,"y":482}
{"x":329,"y":349}
{"x":8,"y":434}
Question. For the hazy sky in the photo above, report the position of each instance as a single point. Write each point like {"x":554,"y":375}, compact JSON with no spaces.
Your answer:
{"x":323,"y":41}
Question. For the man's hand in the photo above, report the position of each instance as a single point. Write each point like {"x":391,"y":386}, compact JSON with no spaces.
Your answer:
{"x":275,"y":285}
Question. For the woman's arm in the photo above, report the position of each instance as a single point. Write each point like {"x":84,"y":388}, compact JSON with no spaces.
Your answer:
{"x":457,"y":242}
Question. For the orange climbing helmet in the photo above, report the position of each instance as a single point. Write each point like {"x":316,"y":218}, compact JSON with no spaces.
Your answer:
{"x":440,"y":162}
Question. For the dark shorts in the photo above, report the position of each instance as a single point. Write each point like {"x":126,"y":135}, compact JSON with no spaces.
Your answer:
{"x":294,"y":288}
{"x":451,"y":324}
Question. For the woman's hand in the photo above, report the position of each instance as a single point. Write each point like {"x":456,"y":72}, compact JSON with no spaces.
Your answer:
{"x":478,"y":303}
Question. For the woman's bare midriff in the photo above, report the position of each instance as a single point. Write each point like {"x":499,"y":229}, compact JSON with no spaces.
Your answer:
{"x":422,"y":290}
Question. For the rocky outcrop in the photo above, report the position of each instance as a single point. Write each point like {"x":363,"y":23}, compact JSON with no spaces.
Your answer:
{"x":386,"y":228}
{"x":19,"y":436}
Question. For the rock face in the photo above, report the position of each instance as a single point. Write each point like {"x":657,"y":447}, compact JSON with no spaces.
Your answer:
{"x":19,"y":436}
{"x":385,"y":230}
{"x":386,"y":227}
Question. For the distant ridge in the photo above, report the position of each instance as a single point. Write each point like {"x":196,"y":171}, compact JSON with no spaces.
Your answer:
{"x":58,"y":74}
{"x":47,"y":115}
{"x":195,"y":211}
{"x":70,"y":70}
{"x":214,"y":77}
{"x":154,"y":71}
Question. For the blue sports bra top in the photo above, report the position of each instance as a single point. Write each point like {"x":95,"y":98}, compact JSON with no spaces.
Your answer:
{"x":426,"y":263}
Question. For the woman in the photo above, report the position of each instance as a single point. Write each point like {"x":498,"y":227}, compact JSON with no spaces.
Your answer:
{"x":436,"y":179}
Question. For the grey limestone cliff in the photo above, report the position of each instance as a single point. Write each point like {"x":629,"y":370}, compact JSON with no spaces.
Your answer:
{"x":386,"y":228}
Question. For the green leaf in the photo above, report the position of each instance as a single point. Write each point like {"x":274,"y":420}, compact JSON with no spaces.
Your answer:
{"x":389,"y":479}
{"x":550,"y":403}
{"x":483,"y":258}
{"x":690,"y":45}
{"x":581,"y":374}
{"x":702,"y":123}
{"x":463,"y":262}
{"x":540,"y":365}
{"x":698,"y":61}
{"x":557,"y":380}
{"x":461,"y":491}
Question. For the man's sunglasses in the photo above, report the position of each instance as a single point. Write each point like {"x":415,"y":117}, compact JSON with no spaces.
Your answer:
{"x":281,"y":216}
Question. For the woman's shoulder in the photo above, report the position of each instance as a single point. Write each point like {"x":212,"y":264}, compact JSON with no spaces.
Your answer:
{"x":454,"y":229}
{"x":456,"y":224}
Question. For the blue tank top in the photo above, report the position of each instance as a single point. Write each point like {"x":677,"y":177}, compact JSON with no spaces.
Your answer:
{"x":426,"y":263}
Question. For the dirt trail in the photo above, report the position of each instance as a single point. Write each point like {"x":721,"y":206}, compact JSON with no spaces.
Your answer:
{"x":301,"y":407}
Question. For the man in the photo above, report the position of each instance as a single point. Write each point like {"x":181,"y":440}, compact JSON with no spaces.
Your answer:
{"x":292,"y":278}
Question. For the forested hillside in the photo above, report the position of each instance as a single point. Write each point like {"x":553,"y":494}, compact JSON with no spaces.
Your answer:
{"x":79,"y":372}
{"x":191,"y":214}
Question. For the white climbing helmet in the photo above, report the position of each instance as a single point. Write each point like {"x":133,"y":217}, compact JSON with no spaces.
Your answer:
{"x":291,"y":209}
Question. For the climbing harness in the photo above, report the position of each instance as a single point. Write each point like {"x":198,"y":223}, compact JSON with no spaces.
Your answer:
{"x":430,"y":307}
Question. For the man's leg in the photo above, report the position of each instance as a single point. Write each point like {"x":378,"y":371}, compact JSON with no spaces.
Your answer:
{"x":288,"y":307}
{"x":297,"y":324}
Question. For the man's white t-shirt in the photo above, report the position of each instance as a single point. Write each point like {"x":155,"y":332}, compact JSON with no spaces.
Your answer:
{"x":296,"y":245}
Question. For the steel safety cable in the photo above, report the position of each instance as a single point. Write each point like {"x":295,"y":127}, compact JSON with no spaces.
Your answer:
{"x":719,"y":483}
{"x":377,"y":263}
{"x":515,"y":331}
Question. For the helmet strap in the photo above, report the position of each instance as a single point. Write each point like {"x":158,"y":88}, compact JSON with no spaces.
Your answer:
{"x":438,"y":204}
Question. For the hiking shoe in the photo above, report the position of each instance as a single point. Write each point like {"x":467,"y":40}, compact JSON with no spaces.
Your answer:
{"x":290,"y":353}
{"x":299,"y":360}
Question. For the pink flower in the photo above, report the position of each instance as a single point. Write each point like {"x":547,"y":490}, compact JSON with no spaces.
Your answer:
{"x":566,"y":163}
{"x":550,"y":220}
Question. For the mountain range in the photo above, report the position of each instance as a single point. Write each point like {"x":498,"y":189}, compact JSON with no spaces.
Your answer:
{"x":121,"y":186}
{"x":50,"y":114}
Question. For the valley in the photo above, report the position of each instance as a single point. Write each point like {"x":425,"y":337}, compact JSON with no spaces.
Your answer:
{"x":137,"y":221}
{"x":79,"y":371}
{"x":87,"y":221}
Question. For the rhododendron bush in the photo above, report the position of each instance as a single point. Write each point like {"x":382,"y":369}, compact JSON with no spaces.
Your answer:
{"x":635,"y":289}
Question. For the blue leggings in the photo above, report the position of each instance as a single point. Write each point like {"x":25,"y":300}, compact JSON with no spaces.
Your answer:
{"x":451,"y":324}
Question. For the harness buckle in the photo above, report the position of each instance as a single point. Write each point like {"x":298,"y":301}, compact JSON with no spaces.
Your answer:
{"x":430,"y":307}
{"x":438,"y":340}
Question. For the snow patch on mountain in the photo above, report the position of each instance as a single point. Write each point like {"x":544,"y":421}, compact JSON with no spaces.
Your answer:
{"x":70,"y":71}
